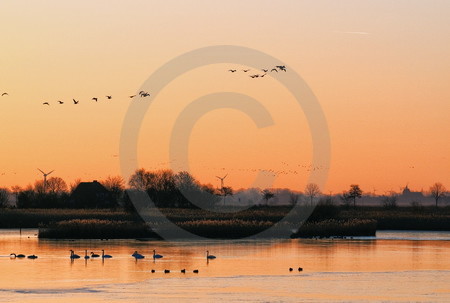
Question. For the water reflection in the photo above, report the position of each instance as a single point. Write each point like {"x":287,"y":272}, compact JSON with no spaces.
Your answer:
{"x":334,"y":264}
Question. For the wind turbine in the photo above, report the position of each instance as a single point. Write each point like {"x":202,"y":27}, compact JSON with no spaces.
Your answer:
{"x":221,"y":185}
{"x":45,"y":178}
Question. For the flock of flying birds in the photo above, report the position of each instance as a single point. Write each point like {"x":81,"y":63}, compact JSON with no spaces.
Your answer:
{"x":275,"y":69}
{"x":144,"y":94}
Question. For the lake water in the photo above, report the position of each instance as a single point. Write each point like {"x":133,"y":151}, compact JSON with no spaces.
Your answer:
{"x":394,"y":267}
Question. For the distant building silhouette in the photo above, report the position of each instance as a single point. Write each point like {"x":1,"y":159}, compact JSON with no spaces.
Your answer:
{"x":407,"y":197}
{"x":91,"y":195}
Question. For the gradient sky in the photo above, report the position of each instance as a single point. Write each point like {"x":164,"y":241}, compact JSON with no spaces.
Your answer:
{"x":380,"y":70}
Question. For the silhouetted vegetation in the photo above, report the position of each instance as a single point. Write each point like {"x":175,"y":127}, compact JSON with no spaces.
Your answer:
{"x":96,"y":229}
{"x":337,"y":228}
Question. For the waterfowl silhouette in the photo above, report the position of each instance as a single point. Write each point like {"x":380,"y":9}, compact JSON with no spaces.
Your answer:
{"x":105,"y":256}
{"x":132,"y":96}
{"x":245,"y":70}
{"x":46,"y":103}
{"x":86,"y":255}
{"x":137,"y":255}
{"x":281,"y":67}
{"x":274,"y":70}
{"x":291,"y":269}
{"x":60,"y":102}
{"x":156,"y":256}
{"x":166,"y":271}
{"x":208,"y":256}
{"x":5,"y":94}
{"x":232,"y":70}
{"x":94,"y":255}
{"x":265,"y":70}
{"x":195,"y":271}
{"x":183,"y":271}
{"x":75,"y":101}
{"x":109,"y":97}
{"x":32,"y":257}
{"x":73,"y":255}
{"x":300,"y":269}
{"x":95,"y":99}
{"x":20,"y":256}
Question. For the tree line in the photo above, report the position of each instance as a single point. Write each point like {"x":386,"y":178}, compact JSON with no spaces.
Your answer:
{"x":169,"y":189}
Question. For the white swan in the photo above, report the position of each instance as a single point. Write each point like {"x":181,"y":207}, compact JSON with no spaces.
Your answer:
{"x":73,"y":255}
{"x":208,"y":256}
{"x":105,"y":256}
{"x":156,"y":256}
{"x":137,"y":255}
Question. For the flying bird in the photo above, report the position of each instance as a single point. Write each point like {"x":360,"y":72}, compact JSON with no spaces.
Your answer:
{"x":75,"y":101}
{"x":254,"y":76}
{"x":265,"y":70}
{"x":263,"y":75}
{"x":132,"y":96}
{"x":60,"y":102}
{"x":95,"y":99}
{"x":232,"y":70}
{"x":4,"y":94}
{"x":45,"y":103}
{"x":245,"y":70}
{"x":274,"y":70}
{"x":109,"y":97}
{"x":281,"y":67}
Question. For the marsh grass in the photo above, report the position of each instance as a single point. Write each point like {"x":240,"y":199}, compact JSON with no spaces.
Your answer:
{"x":96,"y":229}
{"x":337,"y":228}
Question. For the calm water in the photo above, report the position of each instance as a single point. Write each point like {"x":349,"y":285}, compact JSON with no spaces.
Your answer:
{"x":396,"y":266}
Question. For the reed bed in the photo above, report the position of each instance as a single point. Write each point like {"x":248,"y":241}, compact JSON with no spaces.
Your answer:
{"x":225,"y":229}
{"x":96,"y":229}
{"x":337,"y":228}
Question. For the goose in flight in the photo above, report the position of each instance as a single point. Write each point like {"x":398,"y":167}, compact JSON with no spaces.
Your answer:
{"x":5,"y":94}
{"x":265,"y":70}
{"x":95,"y":99}
{"x":45,"y":103}
{"x":132,"y":96}
{"x":232,"y":70}
{"x":75,"y":101}
{"x":274,"y":70}
{"x":60,"y":102}
{"x":281,"y":67}
{"x":245,"y":70}
{"x":109,"y":97}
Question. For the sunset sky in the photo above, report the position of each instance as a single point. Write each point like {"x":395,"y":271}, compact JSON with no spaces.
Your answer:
{"x":380,"y":71}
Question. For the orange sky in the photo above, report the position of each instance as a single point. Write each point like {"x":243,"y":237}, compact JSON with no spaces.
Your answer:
{"x":379,"y":70}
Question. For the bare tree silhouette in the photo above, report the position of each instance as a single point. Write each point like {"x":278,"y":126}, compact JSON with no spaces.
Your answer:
{"x":437,"y":191}
{"x":312,"y":190}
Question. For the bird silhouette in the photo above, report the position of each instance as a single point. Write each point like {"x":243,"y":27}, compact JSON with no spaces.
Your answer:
{"x":86,"y":254}
{"x":95,"y":99}
{"x":109,"y":97}
{"x":132,"y":96}
{"x":183,"y":271}
{"x":153,"y":270}
{"x":32,"y":257}
{"x":208,"y":256}
{"x":5,"y":94}
{"x":45,"y":103}
{"x":137,"y":255}
{"x":166,"y":271}
{"x":300,"y":269}
{"x":265,"y":70}
{"x":156,"y":256}
{"x":20,"y":256}
{"x":291,"y":269}
{"x":232,"y":70}
{"x":195,"y":271}
{"x":60,"y":102}
{"x":105,"y":256}
{"x":73,"y":255}
{"x":94,"y":255}
{"x":262,"y":75}
{"x":75,"y":101}
{"x":245,"y":70}
{"x":274,"y":70}
{"x":281,"y":67}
